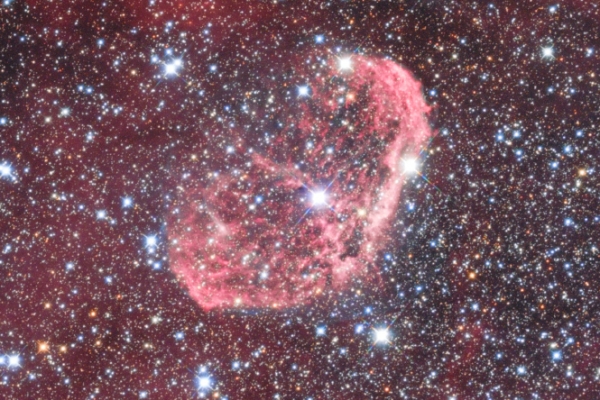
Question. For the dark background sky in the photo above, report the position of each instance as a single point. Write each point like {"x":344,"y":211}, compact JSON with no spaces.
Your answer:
{"x":491,"y":280}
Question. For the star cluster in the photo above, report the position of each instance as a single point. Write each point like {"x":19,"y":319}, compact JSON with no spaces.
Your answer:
{"x":118,"y":118}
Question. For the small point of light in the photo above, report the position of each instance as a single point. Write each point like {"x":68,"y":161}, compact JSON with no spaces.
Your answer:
{"x":127,"y":202}
{"x":100,"y":214}
{"x":43,"y":347}
{"x":321,"y":330}
{"x":568,"y":222}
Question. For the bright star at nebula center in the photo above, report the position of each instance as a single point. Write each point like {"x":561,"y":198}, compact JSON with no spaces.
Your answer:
{"x":319,"y":198}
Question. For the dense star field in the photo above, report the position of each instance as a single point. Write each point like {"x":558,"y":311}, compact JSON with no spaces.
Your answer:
{"x":299,"y":200}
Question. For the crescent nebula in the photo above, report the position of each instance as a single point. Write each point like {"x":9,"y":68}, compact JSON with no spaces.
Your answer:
{"x":300,"y":207}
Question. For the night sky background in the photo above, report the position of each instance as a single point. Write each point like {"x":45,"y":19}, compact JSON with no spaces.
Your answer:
{"x":485,"y":285}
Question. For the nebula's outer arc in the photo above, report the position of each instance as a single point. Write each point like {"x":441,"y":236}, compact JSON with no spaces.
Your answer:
{"x":248,"y":236}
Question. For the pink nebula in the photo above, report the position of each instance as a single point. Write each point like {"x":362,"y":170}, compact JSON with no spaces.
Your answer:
{"x":250,"y":235}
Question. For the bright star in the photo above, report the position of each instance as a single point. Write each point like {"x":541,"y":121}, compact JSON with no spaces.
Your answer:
{"x":410,"y":165}
{"x":173,"y":67}
{"x":548,"y":52}
{"x":14,"y":361}
{"x":345,"y":64}
{"x":382,"y":335}
{"x":170,"y":69}
{"x":151,"y":241}
{"x":203,"y":382}
{"x":5,"y":169}
{"x":319,"y":198}
{"x":303,"y":91}
{"x":127,"y":202}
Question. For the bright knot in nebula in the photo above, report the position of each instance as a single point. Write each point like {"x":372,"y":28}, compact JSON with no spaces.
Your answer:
{"x":300,"y":202}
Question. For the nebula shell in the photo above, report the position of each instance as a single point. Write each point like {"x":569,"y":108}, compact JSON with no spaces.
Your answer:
{"x":300,"y":207}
